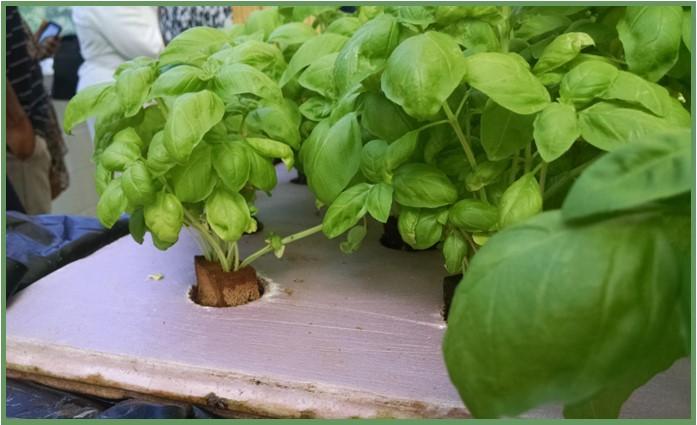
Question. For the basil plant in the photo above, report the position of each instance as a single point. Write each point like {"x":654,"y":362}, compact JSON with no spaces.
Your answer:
{"x":463,"y":122}
{"x":187,"y":139}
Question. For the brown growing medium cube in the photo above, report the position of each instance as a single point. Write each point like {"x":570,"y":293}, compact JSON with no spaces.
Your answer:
{"x":217,"y":288}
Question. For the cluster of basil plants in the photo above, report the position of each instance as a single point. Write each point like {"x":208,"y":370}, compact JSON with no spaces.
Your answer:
{"x":463,"y":123}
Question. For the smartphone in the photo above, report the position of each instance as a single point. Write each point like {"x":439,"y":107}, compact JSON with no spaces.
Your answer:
{"x":52,"y":29}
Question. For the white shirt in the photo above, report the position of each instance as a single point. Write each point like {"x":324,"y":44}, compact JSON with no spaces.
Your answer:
{"x":111,"y":35}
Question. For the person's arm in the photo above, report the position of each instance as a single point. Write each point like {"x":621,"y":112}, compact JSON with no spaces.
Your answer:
{"x":20,"y":134}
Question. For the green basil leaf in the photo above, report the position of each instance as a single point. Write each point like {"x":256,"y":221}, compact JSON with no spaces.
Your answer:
{"x":687,"y":22}
{"x":137,"y":184}
{"x":317,"y":134}
{"x":341,"y":145}
{"x":191,"y":117}
{"x":534,"y":25}
{"x":277,"y":120}
{"x":85,"y":104}
{"x":310,"y":51}
{"x":366,"y":51}
{"x":291,"y":34}
{"x":257,"y":54}
{"x":419,"y":227}
{"x":562,"y":50}
{"x":417,"y":18}
{"x":384,"y":119}
{"x":373,"y":160}
{"x":263,"y":20}
{"x":346,"y":210}
{"x":112,"y":203}
{"x":546,"y":284}
{"x":422,"y":72}
{"x":262,"y":173}
{"x":193,"y":181}
{"x":474,"y":35}
{"x":319,"y":76}
{"x":133,"y":88}
{"x":158,"y":160}
{"x":608,"y":126}
{"x":123,"y":150}
{"x":345,"y":26}
{"x":228,"y":214}
{"x":454,"y":251}
{"x":102,"y":178}
{"x":507,"y":80}
{"x":556,"y":129}
{"x":136,"y":225}
{"x":402,"y":149}
{"x":640,"y":172}
{"x":193,"y":46}
{"x":587,"y":81}
{"x":631,"y":88}
{"x":379,"y":201}
{"x":272,"y":149}
{"x":486,"y":173}
{"x":316,"y":108}
{"x":651,"y":53}
{"x":237,"y":79}
{"x":232,"y":164}
{"x":522,"y":200}
{"x":153,"y":121}
{"x":423,"y":186}
{"x":448,"y":14}
{"x":504,"y":132}
{"x":354,"y":238}
{"x":472,"y":215}
{"x":178,"y":80}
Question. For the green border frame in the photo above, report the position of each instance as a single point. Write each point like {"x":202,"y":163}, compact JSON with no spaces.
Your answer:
{"x":692,"y":5}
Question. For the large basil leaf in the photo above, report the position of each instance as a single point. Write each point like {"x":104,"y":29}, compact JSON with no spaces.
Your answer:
{"x":421,"y":228}
{"x":112,"y":203}
{"x":562,"y":50}
{"x":164,"y":217}
{"x":549,"y":312}
{"x":278,"y":120}
{"x":193,"y":181}
{"x":454,"y":251}
{"x":631,"y":88}
{"x":608,"y":126}
{"x":236,"y":79}
{"x":373,"y":160}
{"x":262,"y":56}
{"x":193,"y":46}
{"x":504,"y":132}
{"x":263,"y":20}
{"x":417,"y":18}
{"x":366,"y":51}
{"x":448,"y":14}
{"x":402,"y":149}
{"x":102,"y":178}
{"x":123,"y":150}
{"x":346,"y":25}
{"x":587,"y":81}
{"x":474,"y":35}
{"x":231,"y":163}
{"x":178,"y":80}
{"x":472,"y":215}
{"x":556,"y":129}
{"x":651,"y":38}
{"x":522,"y":200}
{"x":158,"y":159}
{"x":262,"y":173}
{"x":137,"y":184}
{"x":191,"y":117}
{"x":379,"y":201}
{"x":422,"y":72}
{"x":346,"y":210}
{"x":133,"y":88}
{"x":272,"y":149}
{"x":228,"y":214}
{"x":640,"y":172}
{"x":310,"y":51}
{"x":136,"y":226}
{"x":384,"y":119}
{"x":85,"y":104}
{"x":316,"y":108}
{"x":319,"y":76}
{"x":423,"y":186}
{"x":340,"y":145}
{"x":534,"y":25}
{"x":507,"y":80}
{"x":291,"y":34}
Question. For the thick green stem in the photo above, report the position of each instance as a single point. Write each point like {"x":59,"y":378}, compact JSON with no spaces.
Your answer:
{"x":543,"y":177}
{"x":528,"y":157}
{"x":460,"y":135}
{"x":288,"y":239}
{"x":206,"y":235}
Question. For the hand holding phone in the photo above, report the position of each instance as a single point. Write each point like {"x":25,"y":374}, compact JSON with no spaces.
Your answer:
{"x":47,"y":38}
{"x":51,"y":29}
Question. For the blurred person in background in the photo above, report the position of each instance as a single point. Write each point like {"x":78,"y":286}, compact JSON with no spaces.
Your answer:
{"x":35,"y":147}
{"x":176,"y":19}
